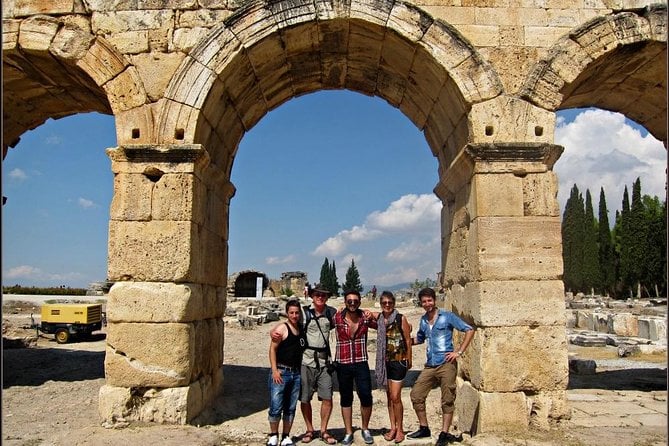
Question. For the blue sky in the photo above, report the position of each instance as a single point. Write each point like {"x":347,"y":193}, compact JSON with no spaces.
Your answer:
{"x":333,"y":174}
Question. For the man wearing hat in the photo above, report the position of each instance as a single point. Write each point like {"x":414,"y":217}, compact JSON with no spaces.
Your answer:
{"x":316,"y":375}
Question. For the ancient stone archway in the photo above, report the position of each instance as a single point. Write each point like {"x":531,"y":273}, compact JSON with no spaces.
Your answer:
{"x":185,"y":83}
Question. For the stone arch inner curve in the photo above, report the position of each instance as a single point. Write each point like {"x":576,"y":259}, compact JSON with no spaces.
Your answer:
{"x":268,"y":53}
{"x":615,"y":62}
{"x":55,"y":67}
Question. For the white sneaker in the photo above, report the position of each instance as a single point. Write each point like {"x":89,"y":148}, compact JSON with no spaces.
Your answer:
{"x":287,"y":441}
{"x":273,"y":440}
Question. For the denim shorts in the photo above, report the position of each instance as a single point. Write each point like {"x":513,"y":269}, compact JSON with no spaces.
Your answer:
{"x":283,"y":397}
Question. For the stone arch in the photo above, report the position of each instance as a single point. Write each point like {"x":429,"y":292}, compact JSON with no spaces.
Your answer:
{"x":243,"y":283}
{"x":54,"y":67}
{"x":269,"y":52}
{"x":615,"y":62}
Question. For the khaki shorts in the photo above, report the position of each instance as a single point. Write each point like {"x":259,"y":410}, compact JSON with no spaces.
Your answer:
{"x":315,"y":380}
{"x":444,"y":377}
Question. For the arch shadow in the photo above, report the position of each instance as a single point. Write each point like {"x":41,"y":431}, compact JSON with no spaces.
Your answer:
{"x":647,"y":379}
{"x":36,"y":366}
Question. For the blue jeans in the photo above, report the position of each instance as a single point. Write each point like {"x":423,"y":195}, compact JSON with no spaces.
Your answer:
{"x":283,"y":397}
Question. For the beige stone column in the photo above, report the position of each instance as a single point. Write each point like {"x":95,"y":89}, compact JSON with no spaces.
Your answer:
{"x":502,"y":269}
{"x":168,"y":258}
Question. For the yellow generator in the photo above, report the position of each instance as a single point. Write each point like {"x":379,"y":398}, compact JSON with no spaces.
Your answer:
{"x":65,"y":320}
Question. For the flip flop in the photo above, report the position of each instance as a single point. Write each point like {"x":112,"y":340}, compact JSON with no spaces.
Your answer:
{"x":390,"y":435}
{"x":327,"y":438}
{"x":399,"y":437}
{"x":307,"y":437}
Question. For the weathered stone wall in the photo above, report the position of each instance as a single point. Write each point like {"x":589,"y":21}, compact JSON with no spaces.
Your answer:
{"x":185,"y":80}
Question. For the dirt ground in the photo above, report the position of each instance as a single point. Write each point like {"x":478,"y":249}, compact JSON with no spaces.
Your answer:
{"x":50,"y":396}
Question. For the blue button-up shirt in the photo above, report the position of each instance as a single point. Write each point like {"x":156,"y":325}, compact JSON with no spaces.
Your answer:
{"x":439,"y":336}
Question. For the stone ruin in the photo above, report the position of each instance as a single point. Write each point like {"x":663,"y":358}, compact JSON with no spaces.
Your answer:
{"x":186,"y":80}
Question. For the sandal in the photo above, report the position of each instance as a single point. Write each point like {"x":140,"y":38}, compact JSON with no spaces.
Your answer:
{"x":399,"y":437}
{"x":327,"y":438}
{"x":307,"y":437}
{"x":390,"y":435}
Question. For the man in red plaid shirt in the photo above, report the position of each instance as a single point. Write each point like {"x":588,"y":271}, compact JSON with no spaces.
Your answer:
{"x":351,"y":325}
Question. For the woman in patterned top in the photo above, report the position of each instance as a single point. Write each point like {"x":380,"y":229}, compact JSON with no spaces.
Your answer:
{"x":393,"y":361}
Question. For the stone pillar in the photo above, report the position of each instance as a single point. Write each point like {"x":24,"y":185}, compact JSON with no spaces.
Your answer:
{"x":168,"y":258}
{"x":502,"y":270}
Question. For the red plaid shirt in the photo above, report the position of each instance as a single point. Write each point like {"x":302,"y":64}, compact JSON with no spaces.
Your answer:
{"x":351,"y":347}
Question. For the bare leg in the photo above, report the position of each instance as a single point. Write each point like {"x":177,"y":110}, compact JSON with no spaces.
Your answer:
{"x":347,"y":415}
{"x":306,"y":414}
{"x":366,"y":415}
{"x":447,"y":418}
{"x":326,"y":411}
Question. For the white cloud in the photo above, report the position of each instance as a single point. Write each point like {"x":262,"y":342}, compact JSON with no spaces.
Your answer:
{"x":280,"y":260}
{"x":410,"y":214}
{"x":603,"y":150}
{"x":22,"y":272}
{"x":412,"y":250}
{"x":18,"y":174}
{"x":53,"y":140}
{"x":40,"y":278}
{"x":337,"y":244}
{"x":85,"y":203}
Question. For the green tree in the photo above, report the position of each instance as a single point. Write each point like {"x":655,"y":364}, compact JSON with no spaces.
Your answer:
{"x":655,"y":260}
{"x":622,"y":243}
{"x":334,"y":289}
{"x":573,"y":240}
{"x":607,"y":254}
{"x":637,"y":239}
{"x":352,"y":279}
{"x":328,"y":277}
{"x":591,"y":277}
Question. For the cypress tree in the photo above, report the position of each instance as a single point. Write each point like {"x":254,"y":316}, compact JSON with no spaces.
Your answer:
{"x":334,"y":282}
{"x":638,"y":238}
{"x":607,"y":260}
{"x":591,"y":277}
{"x":572,"y":241}
{"x":325,"y":274}
{"x":352,"y":279}
{"x":655,"y":260}
{"x":623,"y":244}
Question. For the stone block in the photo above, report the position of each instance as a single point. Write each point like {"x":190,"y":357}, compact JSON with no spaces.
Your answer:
{"x":512,"y":359}
{"x":515,"y":248}
{"x":466,"y":406}
{"x":652,"y":328}
{"x":125,"y":91}
{"x":179,"y":197}
{"x":540,"y":195}
{"x":162,"y":302}
{"x":130,"y":42}
{"x":102,"y":62}
{"x":36,"y":33}
{"x":571,"y":318}
{"x":132,"y":197}
{"x":623,"y":324}
{"x":153,"y":251}
{"x":176,"y":405}
{"x":496,"y":195}
{"x":159,"y":68}
{"x":134,"y":357}
{"x":511,"y":303}
{"x":501,"y":411}
{"x":547,"y":407}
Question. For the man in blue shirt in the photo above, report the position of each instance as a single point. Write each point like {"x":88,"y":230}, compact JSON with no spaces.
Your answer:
{"x":436,"y":327}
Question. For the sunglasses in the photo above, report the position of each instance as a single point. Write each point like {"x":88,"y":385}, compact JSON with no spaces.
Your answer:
{"x":387,"y":302}
{"x":353,"y":302}
{"x":321,"y":295}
